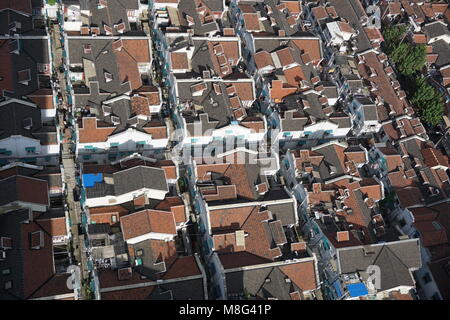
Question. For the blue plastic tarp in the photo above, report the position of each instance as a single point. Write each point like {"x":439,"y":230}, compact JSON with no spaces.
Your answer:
{"x":89,"y":179}
{"x":357,"y":289}
{"x":337,"y":287}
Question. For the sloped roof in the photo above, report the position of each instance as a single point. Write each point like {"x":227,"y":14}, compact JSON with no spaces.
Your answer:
{"x":395,"y":260}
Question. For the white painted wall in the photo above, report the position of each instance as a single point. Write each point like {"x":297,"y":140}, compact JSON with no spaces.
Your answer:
{"x":113,"y":200}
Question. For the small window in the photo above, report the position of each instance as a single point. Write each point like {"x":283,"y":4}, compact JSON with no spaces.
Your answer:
{"x":8,"y":285}
{"x":114,"y":219}
{"x":6,"y":271}
{"x":426,"y":278}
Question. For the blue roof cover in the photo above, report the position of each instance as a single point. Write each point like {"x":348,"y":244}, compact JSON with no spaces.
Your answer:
{"x":89,"y":179}
{"x":357,"y":289}
{"x":336,"y":286}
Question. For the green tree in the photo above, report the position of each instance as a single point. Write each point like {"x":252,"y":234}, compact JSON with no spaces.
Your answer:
{"x":409,"y":58}
{"x":392,"y":37}
{"x":427,"y":101}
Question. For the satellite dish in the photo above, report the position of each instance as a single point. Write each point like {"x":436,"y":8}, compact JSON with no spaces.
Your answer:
{"x":374,"y":20}
{"x":373,"y":10}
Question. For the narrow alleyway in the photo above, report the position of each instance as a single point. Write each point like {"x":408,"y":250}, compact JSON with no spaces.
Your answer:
{"x":68,"y":156}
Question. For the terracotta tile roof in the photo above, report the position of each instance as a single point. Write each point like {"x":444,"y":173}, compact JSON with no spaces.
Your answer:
{"x":372,"y":188}
{"x":280,"y":90}
{"x":229,"y":219}
{"x":152,"y":93}
{"x":397,"y":295}
{"x":285,"y":56}
{"x":251,"y":21}
{"x":393,"y":162}
{"x":302,"y":274}
{"x":128,"y":69}
{"x":182,"y":267}
{"x":164,"y":251}
{"x":356,"y":156}
{"x":295,"y":295}
{"x":228,"y":32}
{"x":22,"y":6}
{"x":226,"y":243}
{"x":42,"y":101}
{"x":257,"y":124}
{"x":147,"y":221}
{"x":89,"y":132}
{"x":54,"y":226}
{"x":32,"y":259}
{"x":382,"y":81}
{"x":176,"y":206}
{"x":410,"y":196}
{"x":309,"y":46}
{"x":373,"y":34}
{"x":137,"y":49}
{"x":129,"y":294}
{"x":179,"y":60}
{"x":430,"y":235}
{"x":140,"y":201}
{"x":244,"y":90}
{"x":434,"y":157}
{"x":56,"y":285}
{"x":157,"y":130}
{"x":420,"y":38}
{"x":345,"y":27}
{"x":31,"y":190}
{"x":230,"y":49}
{"x":394,"y":8}
{"x":294,"y":75}
{"x":342,"y":236}
{"x":319,"y":12}
{"x":140,"y":105}
{"x":351,"y":242}
{"x":263,"y":59}
{"x":298,"y":246}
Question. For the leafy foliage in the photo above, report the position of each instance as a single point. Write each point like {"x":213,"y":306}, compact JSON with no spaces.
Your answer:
{"x":427,"y":101}
{"x":408,"y":58}
{"x":392,"y":37}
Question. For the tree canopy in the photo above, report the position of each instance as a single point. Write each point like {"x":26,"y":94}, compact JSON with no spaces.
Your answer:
{"x":392,"y":36}
{"x":427,"y":101}
{"x":409,"y":58}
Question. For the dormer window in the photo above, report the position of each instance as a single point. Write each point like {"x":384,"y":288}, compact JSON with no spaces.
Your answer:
{"x":115,"y":120}
{"x":15,"y":46}
{"x":27,"y":123}
{"x":190,"y":20}
{"x":108,"y":77}
{"x":13,"y":26}
{"x":87,"y":48}
{"x":8,"y":285}
{"x":36,"y":240}
{"x":5,"y":243}
{"x":102,"y":4}
{"x":120,"y":27}
{"x":24,"y":76}
{"x":108,"y":29}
